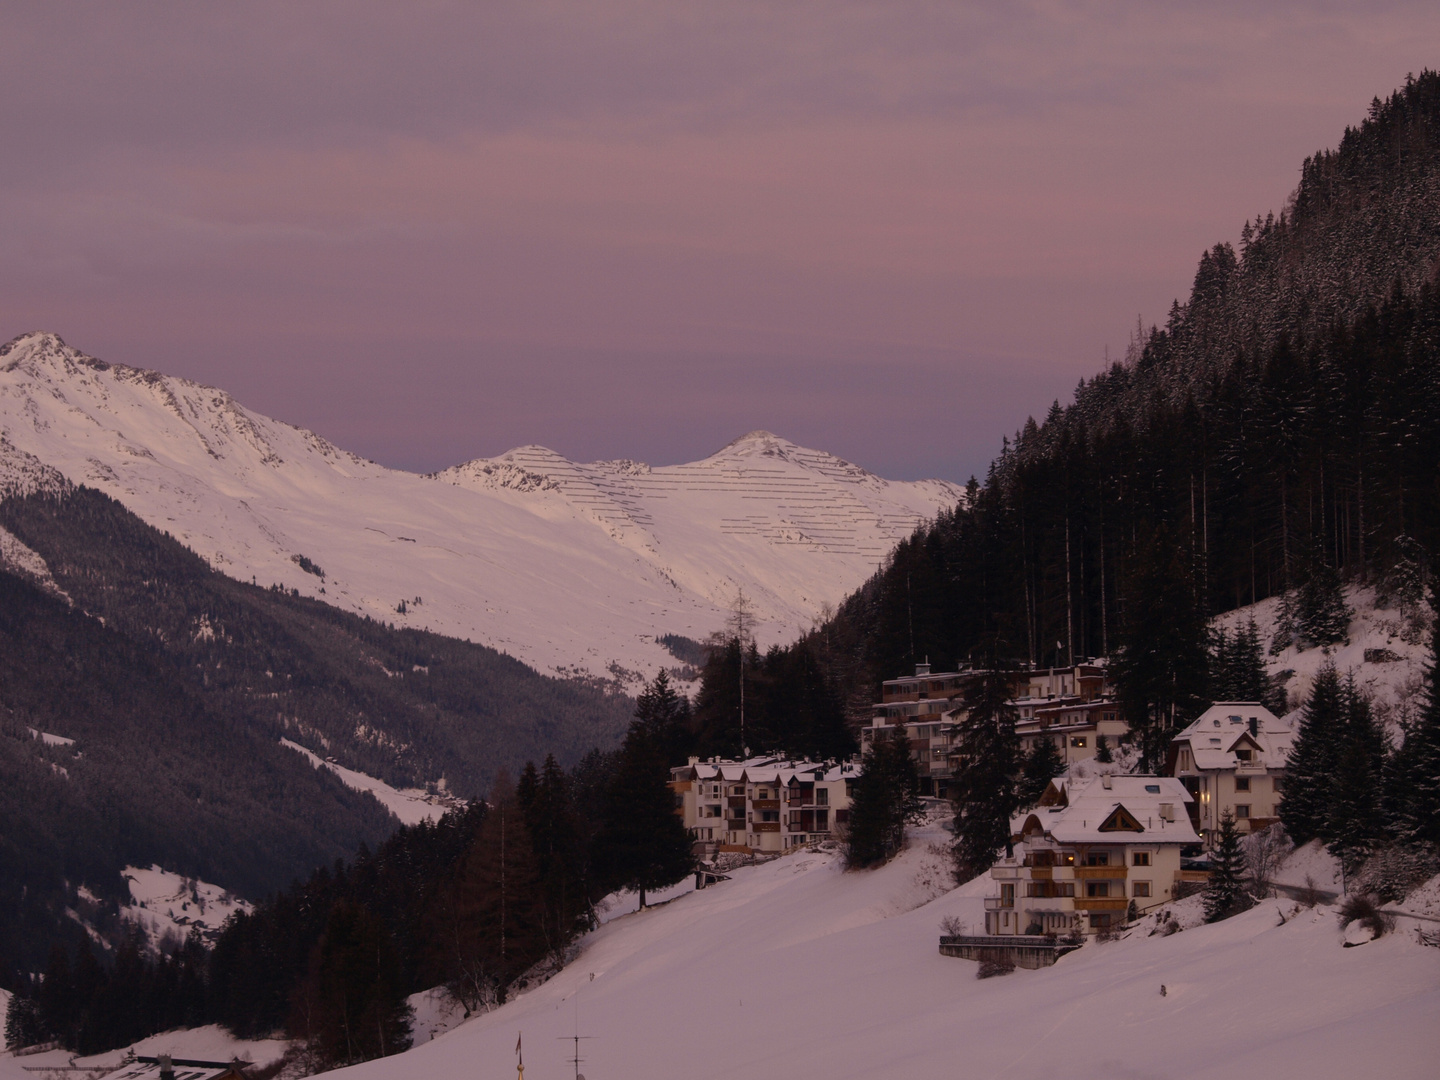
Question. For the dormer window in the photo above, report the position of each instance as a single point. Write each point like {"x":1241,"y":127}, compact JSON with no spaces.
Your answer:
{"x":1244,"y":753}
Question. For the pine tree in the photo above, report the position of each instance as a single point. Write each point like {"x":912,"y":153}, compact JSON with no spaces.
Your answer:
{"x":1412,"y":790}
{"x":23,"y":1023}
{"x":643,"y":842}
{"x":1103,"y":754}
{"x":1042,"y":764}
{"x":554,"y":836}
{"x":1355,"y":823}
{"x":1225,"y":895}
{"x":984,"y":790}
{"x":1324,"y":617}
{"x":352,"y":1007}
{"x":1310,"y":770}
{"x":1160,"y":668}
{"x":885,"y":797}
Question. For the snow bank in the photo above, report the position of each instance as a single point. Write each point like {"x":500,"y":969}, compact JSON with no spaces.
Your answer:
{"x":795,"y":968}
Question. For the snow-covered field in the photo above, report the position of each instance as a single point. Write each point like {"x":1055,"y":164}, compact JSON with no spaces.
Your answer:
{"x":575,"y":569}
{"x":167,"y":906}
{"x":409,"y":805}
{"x":796,"y":969}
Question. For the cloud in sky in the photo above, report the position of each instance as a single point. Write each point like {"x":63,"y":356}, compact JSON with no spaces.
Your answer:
{"x":433,"y":230}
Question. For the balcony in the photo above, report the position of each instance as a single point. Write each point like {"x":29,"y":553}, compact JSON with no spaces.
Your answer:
{"x":766,"y":804}
{"x":766,"y":826}
{"x":1005,"y":873}
{"x":735,"y":802}
{"x":1102,"y":873}
{"x":1101,"y":903}
{"x":999,"y":903}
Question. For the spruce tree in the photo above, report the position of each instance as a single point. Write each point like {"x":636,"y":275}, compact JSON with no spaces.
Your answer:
{"x":1042,"y":764}
{"x":1324,"y":615}
{"x":984,"y":791}
{"x":643,"y":842}
{"x":1413,"y":776}
{"x":1310,"y":772}
{"x":1225,"y":894}
{"x":1160,"y":669}
{"x":1103,"y":754}
{"x":885,"y":797}
{"x":1355,"y":823}
{"x":352,"y":1007}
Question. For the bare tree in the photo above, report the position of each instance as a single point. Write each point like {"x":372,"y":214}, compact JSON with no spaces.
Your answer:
{"x":1264,"y":852}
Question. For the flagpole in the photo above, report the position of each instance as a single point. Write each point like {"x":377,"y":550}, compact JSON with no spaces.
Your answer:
{"x":520,"y":1053}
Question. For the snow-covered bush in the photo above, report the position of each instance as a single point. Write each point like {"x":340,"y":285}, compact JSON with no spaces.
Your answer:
{"x":1393,"y":871}
{"x":1364,"y":908}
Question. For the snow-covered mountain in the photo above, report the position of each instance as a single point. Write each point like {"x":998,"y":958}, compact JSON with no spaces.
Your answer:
{"x":575,"y":569}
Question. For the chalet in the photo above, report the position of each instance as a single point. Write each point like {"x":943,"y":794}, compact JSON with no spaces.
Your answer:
{"x":1089,"y":850}
{"x":1232,"y":758}
{"x":763,"y":804}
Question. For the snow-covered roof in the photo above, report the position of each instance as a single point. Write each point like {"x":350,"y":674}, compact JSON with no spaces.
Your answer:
{"x":1112,"y":810}
{"x":1226,"y":726}
{"x":767,"y":770}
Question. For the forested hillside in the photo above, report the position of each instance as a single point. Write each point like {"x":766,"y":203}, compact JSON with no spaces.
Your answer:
{"x":176,"y":684}
{"x":1281,"y":432}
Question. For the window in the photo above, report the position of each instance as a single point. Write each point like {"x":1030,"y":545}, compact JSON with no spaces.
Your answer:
{"x":1097,"y":888}
{"x":822,"y":796}
{"x":1242,"y":810}
{"x":1077,"y":741}
{"x":1141,"y":858}
{"x":1279,"y":782}
{"x":1153,"y":789}
{"x":1141,"y":888}
{"x":1097,"y":858}
{"x":1243,"y":755}
{"x":769,"y":815}
{"x":1242,"y":783}
{"x":1007,"y":894}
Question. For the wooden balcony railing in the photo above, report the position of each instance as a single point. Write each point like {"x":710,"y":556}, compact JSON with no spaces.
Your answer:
{"x":1085,"y":873}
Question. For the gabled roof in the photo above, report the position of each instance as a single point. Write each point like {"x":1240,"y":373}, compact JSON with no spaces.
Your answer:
{"x":1112,"y":809}
{"x":1220,"y":730}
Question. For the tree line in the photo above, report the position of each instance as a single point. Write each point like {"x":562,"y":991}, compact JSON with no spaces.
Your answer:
{"x":489,"y":896}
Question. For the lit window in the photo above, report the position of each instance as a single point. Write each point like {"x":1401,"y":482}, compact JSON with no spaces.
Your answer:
{"x":1078,"y":741}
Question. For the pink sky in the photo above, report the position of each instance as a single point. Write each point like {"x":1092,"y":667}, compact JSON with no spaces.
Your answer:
{"x":435,"y":231}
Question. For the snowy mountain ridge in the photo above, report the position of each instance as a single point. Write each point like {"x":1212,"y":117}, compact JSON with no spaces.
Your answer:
{"x":574,"y":568}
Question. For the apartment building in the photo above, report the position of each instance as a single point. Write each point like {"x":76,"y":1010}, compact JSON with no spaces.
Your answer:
{"x":763,"y":804}
{"x":1088,"y":851}
{"x":1233,"y":757}
{"x":1069,"y":705}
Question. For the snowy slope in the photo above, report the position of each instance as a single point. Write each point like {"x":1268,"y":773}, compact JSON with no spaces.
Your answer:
{"x":167,"y":905}
{"x":796,"y":969}
{"x":1393,"y":682}
{"x":410,"y":806}
{"x":572,"y":568}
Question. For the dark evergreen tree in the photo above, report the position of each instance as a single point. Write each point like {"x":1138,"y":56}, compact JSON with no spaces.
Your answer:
{"x":1355,"y":823}
{"x":1324,"y":615}
{"x":1160,"y":669}
{"x":1225,"y":893}
{"x":554,"y":836}
{"x":1311,"y":771}
{"x":1103,"y":754}
{"x":1042,"y":764}
{"x":984,"y":790}
{"x":352,"y":1007}
{"x":1412,"y":789}
{"x":1237,"y":667}
{"x":885,"y":797}
{"x":23,"y":1023}
{"x":643,"y":844}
